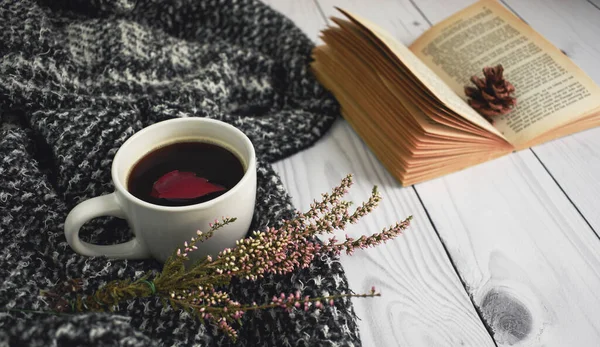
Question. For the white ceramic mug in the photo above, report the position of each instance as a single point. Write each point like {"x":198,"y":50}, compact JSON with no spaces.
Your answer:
{"x":159,"y":230}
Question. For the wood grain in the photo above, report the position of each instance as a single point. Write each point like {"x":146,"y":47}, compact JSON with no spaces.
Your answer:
{"x":573,"y":161}
{"x":526,"y":255}
{"x":530,"y":261}
{"x":528,"y":258}
{"x":423,"y":302}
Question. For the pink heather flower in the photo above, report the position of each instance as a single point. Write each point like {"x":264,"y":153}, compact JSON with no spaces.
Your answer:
{"x":282,"y":250}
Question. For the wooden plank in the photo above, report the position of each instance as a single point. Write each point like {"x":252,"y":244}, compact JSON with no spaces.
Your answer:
{"x":595,"y":3}
{"x":304,"y":13}
{"x":530,"y":261}
{"x":423,"y":302}
{"x":436,"y":10}
{"x":573,"y":161}
{"x":528,"y":258}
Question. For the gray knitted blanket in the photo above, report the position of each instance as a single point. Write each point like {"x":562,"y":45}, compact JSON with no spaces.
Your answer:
{"x":79,"y":77}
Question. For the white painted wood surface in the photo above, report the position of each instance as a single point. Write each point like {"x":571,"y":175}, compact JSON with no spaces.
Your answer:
{"x":423,"y":302}
{"x":575,"y":160}
{"x":304,"y":13}
{"x":409,"y":313}
{"x":515,"y":229}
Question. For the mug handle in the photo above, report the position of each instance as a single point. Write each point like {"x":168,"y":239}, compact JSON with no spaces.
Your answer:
{"x":105,"y":205}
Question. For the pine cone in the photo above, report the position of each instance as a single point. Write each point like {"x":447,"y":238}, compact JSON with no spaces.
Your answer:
{"x":492,"y":97}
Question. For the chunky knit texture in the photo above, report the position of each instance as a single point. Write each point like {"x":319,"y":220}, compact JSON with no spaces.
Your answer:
{"x":77,"y":78}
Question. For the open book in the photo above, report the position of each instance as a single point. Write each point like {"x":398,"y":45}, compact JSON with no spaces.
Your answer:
{"x":409,"y":105}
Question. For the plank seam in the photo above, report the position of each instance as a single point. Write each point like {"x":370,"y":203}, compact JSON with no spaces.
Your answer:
{"x":513,"y":11}
{"x":320,"y":9}
{"x":564,"y":192}
{"x":593,"y":4}
{"x":489,"y":329}
{"x":540,"y":160}
{"x":421,"y":12}
{"x":463,"y":283}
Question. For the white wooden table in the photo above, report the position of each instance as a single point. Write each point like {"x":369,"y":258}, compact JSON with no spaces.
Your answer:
{"x":503,"y":254}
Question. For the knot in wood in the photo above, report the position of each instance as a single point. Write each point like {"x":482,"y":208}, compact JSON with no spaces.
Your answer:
{"x":508,"y":317}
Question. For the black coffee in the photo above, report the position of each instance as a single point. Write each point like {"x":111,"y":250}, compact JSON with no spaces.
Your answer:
{"x":184,"y":173}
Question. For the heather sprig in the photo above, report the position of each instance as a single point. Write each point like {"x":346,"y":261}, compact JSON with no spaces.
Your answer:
{"x":200,"y":288}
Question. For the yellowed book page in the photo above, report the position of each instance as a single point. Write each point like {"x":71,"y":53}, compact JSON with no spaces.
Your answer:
{"x":410,"y":179}
{"x":402,"y":138}
{"x":439,"y":89}
{"x":550,"y":89}
{"x":382,"y":110}
{"x":369,"y":69}
{"x":352,"y":43}
{"x":569,"y":128}
{"x":380,"y":141}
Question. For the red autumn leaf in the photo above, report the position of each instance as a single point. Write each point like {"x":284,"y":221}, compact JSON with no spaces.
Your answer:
{"x":183,"y":185}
